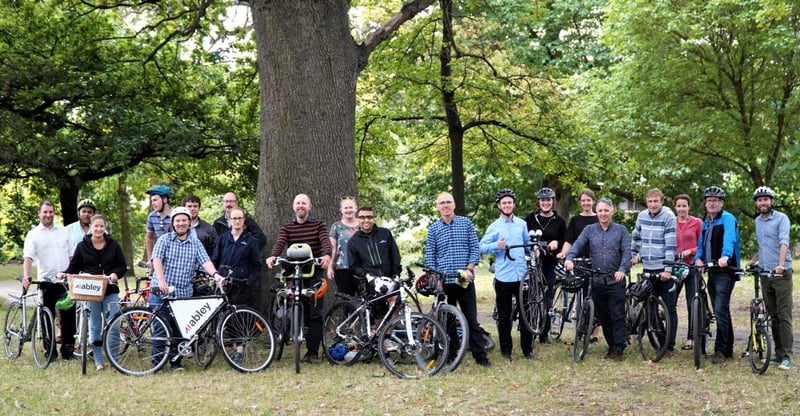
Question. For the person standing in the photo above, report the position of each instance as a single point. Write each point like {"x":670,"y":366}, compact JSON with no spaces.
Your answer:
{"x":553,"y":229}
{"x":204,"y":231}
{"x":452,"y":246}
{"x":506,"y":231}
{"x":238,"y":250}
{"x":223,"y":224}
{"x":609,"y":247}
{"x":340,"y":233}
{"x":653,"y":243}
{"x":578,"y":222}
{"x":688,"y":232}
{"x":99,"y":254}
{"x":158,"y":220}
{"x":372,"y":249}
{"x":719,"y":244}
{"x":49,"y":248}
{"x":305,"y":229}
{"x":775,"y":255}
{"x":78,"y":229}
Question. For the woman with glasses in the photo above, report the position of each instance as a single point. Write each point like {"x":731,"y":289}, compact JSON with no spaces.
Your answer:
{"x":238,"y":249}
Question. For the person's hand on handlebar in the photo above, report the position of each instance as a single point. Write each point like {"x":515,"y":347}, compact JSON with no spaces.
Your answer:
{"x":326,"y":260}
{"x":665,"y":275}
{"x":270,"y":261}
{"x":569,"y":265}
{"x":723,"y":261}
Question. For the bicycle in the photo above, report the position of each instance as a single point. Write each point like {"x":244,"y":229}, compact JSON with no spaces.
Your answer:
{"x":409,"y":344}
{"x":38,"y":328}
{"x":580,"y":283}
{"x":647,"y":317}
{"x":759,"y":342}
{"x":243,"y":335}
{"x":287,"y":311}
{"x":138,"y":296}
{"x":534,"y":304}
{"x":559,"y":316}
{"x":701,"y":314}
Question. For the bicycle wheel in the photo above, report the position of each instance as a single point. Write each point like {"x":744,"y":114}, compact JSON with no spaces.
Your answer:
{"x":246,"y":340}
{"x":653,"y":330}
{"x":759,"y":346}
{"x":43,"y":338}
{"x":415,"y":349}
{"x":14,"y":331}
{"x":583,"y":330}
{"x":344,"y":337}
{"x":83,"y":337}
{"x":457,"y":329}
{"x":143,"y":341}
{"x":698,"y":331}
{"x":297,"y":332}
{"x":280,"y":326}
{"x":533,"y":308}
{"x":558,"y":312}
{"x":205,"y":348}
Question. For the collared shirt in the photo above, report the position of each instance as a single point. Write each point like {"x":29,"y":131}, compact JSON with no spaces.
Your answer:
{"x":513,"y":231}
{"x":76,"y":233}
{"x":181,"y":258}
{"x":654,"y":238}
{"x":159,"y":225}
{"x":451,"y":247}
{"x":610,"y":250}
{"x":771,"y":233}
{"x":50,"y":249}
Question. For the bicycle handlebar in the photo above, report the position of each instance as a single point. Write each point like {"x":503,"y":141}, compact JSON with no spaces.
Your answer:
{"x":710,"y":266}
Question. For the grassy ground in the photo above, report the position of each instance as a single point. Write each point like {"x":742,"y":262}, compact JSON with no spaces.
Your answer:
{"x":550,"y":383}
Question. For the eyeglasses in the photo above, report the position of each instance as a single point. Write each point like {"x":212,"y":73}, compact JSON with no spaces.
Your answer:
{"x":236,"y":218}
{"x":444,"y":202}
{"x":229,"y":201}
{"x":366,"y":217}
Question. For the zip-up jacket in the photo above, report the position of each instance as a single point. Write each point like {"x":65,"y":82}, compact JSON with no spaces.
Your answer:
{"x":654,"y":238}
{"x":722,"y":235}
{"x":105,"y":261}
{"x":374,"y":253}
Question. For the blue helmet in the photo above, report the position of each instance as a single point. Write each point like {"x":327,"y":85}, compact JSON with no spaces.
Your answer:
{"x":162,"y":190}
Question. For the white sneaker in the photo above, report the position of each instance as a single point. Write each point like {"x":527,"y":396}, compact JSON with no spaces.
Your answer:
{"x":786,"y":364}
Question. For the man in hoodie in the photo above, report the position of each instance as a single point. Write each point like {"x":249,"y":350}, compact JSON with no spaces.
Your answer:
{"x":372,"y":250}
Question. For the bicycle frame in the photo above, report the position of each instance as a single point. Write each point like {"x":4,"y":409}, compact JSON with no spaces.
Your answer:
{"x":31,"y":330}
{"x":759,"y":342}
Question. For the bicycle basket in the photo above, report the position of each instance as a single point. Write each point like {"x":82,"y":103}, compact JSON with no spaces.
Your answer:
{"x":428,"y":283}
{"x":573,"y":283}
{"x":642,"y":289}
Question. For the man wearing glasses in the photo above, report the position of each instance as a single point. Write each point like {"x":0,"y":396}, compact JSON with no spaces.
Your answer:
{"x":372,"y":250}
{"x":222,"y":224}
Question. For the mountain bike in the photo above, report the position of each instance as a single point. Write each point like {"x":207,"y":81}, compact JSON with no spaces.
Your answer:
{"x":584,"y":309}
{"x":287,"y":311}
{"x":409,"y":344}
{"x":534,"y":307}
{"x":243,"y":335}
{"x":759,"y":342}
{"x":647,"y":317}
{"x":35,"y":326}
{"x":138,"y":296}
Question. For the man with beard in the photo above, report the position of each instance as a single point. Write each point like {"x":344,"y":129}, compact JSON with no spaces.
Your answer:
{"x":176,"y":257}
{"x":772,"y":233}
{"x":158,"y":221}
{"x":78,"y":229}
{"x":305,"y":229}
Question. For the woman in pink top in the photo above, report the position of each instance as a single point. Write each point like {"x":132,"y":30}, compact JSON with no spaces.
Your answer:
{"x":687,"y":235}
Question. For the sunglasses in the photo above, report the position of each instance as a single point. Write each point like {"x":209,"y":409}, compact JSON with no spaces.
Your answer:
{"x":366,"y":217}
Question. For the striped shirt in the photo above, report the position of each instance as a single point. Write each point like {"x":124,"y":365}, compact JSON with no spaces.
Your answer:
{"x":312,"y":232}
{"x":654,"y":238}
{"x":452,"y":247}
{"x":181,"y":258}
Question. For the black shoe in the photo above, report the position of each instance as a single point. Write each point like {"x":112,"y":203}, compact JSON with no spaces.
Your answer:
{"x":311,"y":358}
{"x":528,"y":355}
{"x":618,"y":356}
{"x":484,"y":362}
{"x":545,"y":340}
{"x":507,"y":357}
{"x":719,"y":358}
{"x":177,"y":367}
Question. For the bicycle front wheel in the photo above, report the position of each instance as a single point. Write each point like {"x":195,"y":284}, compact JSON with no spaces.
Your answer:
{"x":759,"y":346}
{"x":246,"y":340}
{"x":43,"y":338}
{"x":143,"y":346}
{"x":583,"y":330}
{"x":344,"y":337}
{"x":455,"y":325}
{"x":413,"y":349}
{"x":653,"y":330}
{"x":533,"y":309}
{"x":83,"y":337}
{"x":297,"y":332}
{"x":14,"y":331}
{"x":698,"y":331}
{"x":557,"y":313}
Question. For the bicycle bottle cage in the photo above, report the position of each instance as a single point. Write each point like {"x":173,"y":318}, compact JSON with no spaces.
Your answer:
{"x":299,"y":252}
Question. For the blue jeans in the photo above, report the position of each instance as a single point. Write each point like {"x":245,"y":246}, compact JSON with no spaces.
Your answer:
{"x":96,"y":309}
{"x":720,"y":287}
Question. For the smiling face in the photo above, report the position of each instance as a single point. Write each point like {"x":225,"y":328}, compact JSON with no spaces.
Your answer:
{"x":46,"y":215}
{"x":587,"y":202}
{"x":98,"y":227}
{"x":85,"y":215}
{"x":347,"y":207}
{"x":605,"y":212}
{"x":181,"y":224}
{"x":714,"y":206}
{"x":506,"y":206}
{"x":237,"y":220}
{"x":654,"y":203}
{"x":301,"y":207}
{"x":682,"y":208}
{"x":446,"y":206}
{"x":764,"y":204}
{"x":546,"y":205}
{"x":366,"y":220}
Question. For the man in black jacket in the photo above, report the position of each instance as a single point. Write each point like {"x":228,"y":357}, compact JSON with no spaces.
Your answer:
{"x":372,"y":250}
{"x":222,"y":226}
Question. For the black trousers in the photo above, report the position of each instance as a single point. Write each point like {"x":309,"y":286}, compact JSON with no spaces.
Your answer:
{"x":467,"y":301}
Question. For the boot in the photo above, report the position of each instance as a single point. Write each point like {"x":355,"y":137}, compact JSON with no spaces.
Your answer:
{"x":68,"y":351}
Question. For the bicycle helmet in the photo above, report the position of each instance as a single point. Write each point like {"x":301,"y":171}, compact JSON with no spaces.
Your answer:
{"x":162,"y":190}
{"x":714,"y":191}
{"x":426,"y":284}
{"x":504,"y":193}
{"x":87,"y":203}
{"x":642,"y":289}
{"x":337,"y":351}
{"x":763,"y":191}
{"x":382,"y":285}
{"x":65,"y":303}
{"x":573,"y":282}
{"x":546,"y":193}
{"x":561,"y":272}
{"x":180,"y":211}
{"x":320,"y":288}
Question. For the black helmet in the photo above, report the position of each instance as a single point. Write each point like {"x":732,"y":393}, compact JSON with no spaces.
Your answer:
{"x":426,"y":284}
{"x":714,"y":191}
{"x":504,"y":193}
{"x":546,"y":193}
{"x":561,"y":271}
{"x":87,"y":203}
{"x":573,"y":283}
{"x":162,"y":190}
{"x":642,"y":289}
{"x":763,"y":191}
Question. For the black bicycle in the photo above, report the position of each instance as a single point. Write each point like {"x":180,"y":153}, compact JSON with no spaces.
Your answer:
{"x":759,"y":342}
{"x":533,"y":308}
{"x":579,"y":282}
{"x":647,"y":317}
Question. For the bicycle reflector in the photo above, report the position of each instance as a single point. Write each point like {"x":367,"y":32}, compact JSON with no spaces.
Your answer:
{"x":65,"y":303}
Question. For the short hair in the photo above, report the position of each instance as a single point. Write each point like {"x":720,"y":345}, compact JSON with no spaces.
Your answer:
{"x":606,"y":201}
{"x":655,"y":191}
{"x":683,"y":196}
{"x":365,"y":208}
{"x":191,"y":198}
{"x":45,"y":202}
{"x":588,"y":192}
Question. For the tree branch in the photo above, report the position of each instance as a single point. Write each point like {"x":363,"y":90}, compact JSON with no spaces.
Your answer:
{"x":406,"y":13}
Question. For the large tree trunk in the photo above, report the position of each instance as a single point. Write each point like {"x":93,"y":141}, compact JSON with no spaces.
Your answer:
{"x":68,"y":198}
{"x":125,"y":223}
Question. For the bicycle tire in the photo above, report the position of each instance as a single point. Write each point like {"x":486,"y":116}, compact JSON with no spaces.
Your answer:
{"x":43,"y":339}
{"x":246,"y":328}
{"x":532,"y":309}
{"x":698,"y":331}
{"x":280,"y":326}
{"x":83,"y":338}
{"x":653,"y":330}
{"x":558,"y":314}
{"x":352,"y":338}
{"x":140,"y":352}
{"x":425,"y":357}
{"x":759,"y":347}
{"x":297,"y":332}
{"x":14,"y":331}
{"x":457,"y":329}
{"x":205,"y":348}
{"x":583,"y":330}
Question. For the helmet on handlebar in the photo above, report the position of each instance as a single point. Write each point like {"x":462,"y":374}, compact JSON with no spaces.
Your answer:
{"x":504,"y":193}
{"x":763,"y":191}
{"x":642,"y":289}
{"x":714,"y":191}
{"x":546,"y":193}
{"x":427,"y":283}
{"x":561,"y":271}
{"x":66,"y":302}
{"x":320,"y":288}
{"x":382,"y":285}
{"x":573,"y":283}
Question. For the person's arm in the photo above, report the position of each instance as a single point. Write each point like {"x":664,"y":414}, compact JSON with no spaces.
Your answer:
{"x":149,"y":244}
{"x":430,"y":250}
{"x":625,"y":251}
{"x":354,"y":259}
{"x":325,"y":242}
{"x":636,"y":244}
{"x":474,"y":251}
{"x":670,"y":241}
{"x":783,"y":240}
{"x":277,"y":248}
{"x":491,"y":241}
{"x":333,"y":234}
{"x":394,"y":255}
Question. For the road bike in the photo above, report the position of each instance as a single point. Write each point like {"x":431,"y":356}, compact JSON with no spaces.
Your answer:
{"x":35,"y":326}
{"x":759,"y":342}
{"x":647,"y":317}
{"x":287,"y":311}
{"x":532,"y":287}
{"x":409,"y":344}
{"x":242,"y":334}
{"x":580,"y":279}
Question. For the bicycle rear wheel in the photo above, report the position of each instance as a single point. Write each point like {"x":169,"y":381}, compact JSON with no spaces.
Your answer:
{"x":533,"y":308}
{"x":143,"y":346}
{"x":246,"y":340}
{"x":698,"y":331}
{"x":14,"y":331}
{"x":558,"y":313}
{"x":415,"y":349}
{"x":653,"y":330}
{"x":583,"y":330}
{"x":759,"y":346}
{"x":457,"y":329}
{"x":343,"y":339}
{"x":43,"y":338}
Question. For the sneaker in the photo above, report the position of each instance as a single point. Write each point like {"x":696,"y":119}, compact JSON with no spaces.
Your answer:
{"x":786,"y":364}
{"x":483,"y":362}
{"x":177,"y":367}
{"x":545,"y":340}
{"x":775,"y":359}
{"x":237,"y":357}
{"x":507,"y":357}
{"x":528,"y":355}
{"x":100,"y":367}
{"x":310,"y":358}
